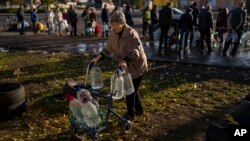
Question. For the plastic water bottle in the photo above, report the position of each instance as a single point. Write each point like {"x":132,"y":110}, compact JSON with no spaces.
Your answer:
{"x":128,"y":84}
{"x":88,"y":110}
{"x":75,"y":107}
{"x":96,"y":77}
{"x":117,"y":85}
{"x":81,"y":92}
{"x":90,"y":115}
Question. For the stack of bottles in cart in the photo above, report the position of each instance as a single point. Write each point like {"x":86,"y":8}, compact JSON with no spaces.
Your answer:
{"x":84,"y":108}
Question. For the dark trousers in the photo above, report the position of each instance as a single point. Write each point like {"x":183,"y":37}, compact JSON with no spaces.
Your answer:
{"x":185,"y":33}
{"x":21,"y":30}
{"x":74,"y":29}
{"x":205,"y":35}
{"x":145,"y":28}
{"x":152,"y":29}
{"x":236,"y":44}
{"x":164,"y":36}
{"x":133,"y":100}
{"x":35,"y":29}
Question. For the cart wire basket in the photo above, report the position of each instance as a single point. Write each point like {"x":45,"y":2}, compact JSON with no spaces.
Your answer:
{"x":93,"y":125}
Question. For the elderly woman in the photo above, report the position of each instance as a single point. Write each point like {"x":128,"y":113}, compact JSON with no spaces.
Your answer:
{"x":125,"y":45}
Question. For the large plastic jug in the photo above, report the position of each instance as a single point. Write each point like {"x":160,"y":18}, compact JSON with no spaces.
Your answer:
{"x":128,"y":84}
{"x":117,"y":85}
{"x":75,"y":107}
{"x":96,"y":77}
{"x":88,"y":109}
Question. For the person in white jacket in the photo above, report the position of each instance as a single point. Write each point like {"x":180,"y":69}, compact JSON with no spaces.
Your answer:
{"x":49,"y":15}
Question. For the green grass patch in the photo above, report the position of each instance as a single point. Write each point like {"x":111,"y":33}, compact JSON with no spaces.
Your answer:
{"x":173,"y":96}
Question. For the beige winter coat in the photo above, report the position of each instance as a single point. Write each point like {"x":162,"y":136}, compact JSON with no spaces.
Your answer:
{"x":129,"y":46}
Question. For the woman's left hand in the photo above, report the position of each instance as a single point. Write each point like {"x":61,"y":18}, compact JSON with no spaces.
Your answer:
{"x":123,"y":65}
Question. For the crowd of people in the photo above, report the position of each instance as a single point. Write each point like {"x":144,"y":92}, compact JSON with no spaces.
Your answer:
{"x":196,"y":20}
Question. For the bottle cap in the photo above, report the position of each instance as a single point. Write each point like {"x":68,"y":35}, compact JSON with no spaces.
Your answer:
{"x":69,"y":97}
{"x":85,"y":96}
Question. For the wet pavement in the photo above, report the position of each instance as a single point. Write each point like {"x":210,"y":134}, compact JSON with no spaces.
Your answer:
{"x":94,"y":45}
{"x":175,"y":54}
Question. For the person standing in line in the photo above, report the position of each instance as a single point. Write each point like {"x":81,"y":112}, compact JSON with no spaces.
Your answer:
{"x":114,"y":10}
{"x":146,"y":20}
{"x":34,"y":20}
{"x":20,"y":19}
{"x":154,"y":21}
{"x":236,"y":21}
{"x":49,"y":15}
{"x":72,"y":20}
{"x":128,"y":16}
{"x":195,"y":14}
{"x":165,"y":21}
{"x":127,"y":49}
{"x":105,"y":20}
{"x":93,"y":19}
{"x":59,"y":22}
{"x":205,"y":26}
{"x":221,"y":23}
{"x":86,"y":20}
{"x":65,"y":14}
{"x":186,"y":26}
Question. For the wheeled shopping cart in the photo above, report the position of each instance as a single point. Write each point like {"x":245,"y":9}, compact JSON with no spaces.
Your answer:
{"x":80,"y":127}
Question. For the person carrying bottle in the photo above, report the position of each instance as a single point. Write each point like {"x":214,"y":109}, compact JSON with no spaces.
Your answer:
{"x":125,"y":45}
{"x":236,"y":21}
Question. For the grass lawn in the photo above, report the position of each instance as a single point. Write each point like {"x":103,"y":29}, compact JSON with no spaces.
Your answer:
{"x":179,"y":100}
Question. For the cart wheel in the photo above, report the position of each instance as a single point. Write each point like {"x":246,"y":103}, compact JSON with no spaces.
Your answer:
{"x":73,"y":131}
{"x":127,"y":125}
{"x":95,"y":137}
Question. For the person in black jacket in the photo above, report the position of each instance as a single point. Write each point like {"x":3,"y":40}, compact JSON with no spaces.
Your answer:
{"x":236,"y":21}
{"x":72,"y":19}
{"x":186,"y":26}
{"x":154,"y":21}
{"x":105,"y":21}
{"x":20,"y":19}
{"x":165,"y":21}
{"x":128,"y":16}
{"x":195,"y":14}
{"x":205,"y":26}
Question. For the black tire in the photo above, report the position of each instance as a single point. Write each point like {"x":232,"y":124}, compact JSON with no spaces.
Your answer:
{"x":127,"y":125}
{"x":12,"y":100}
